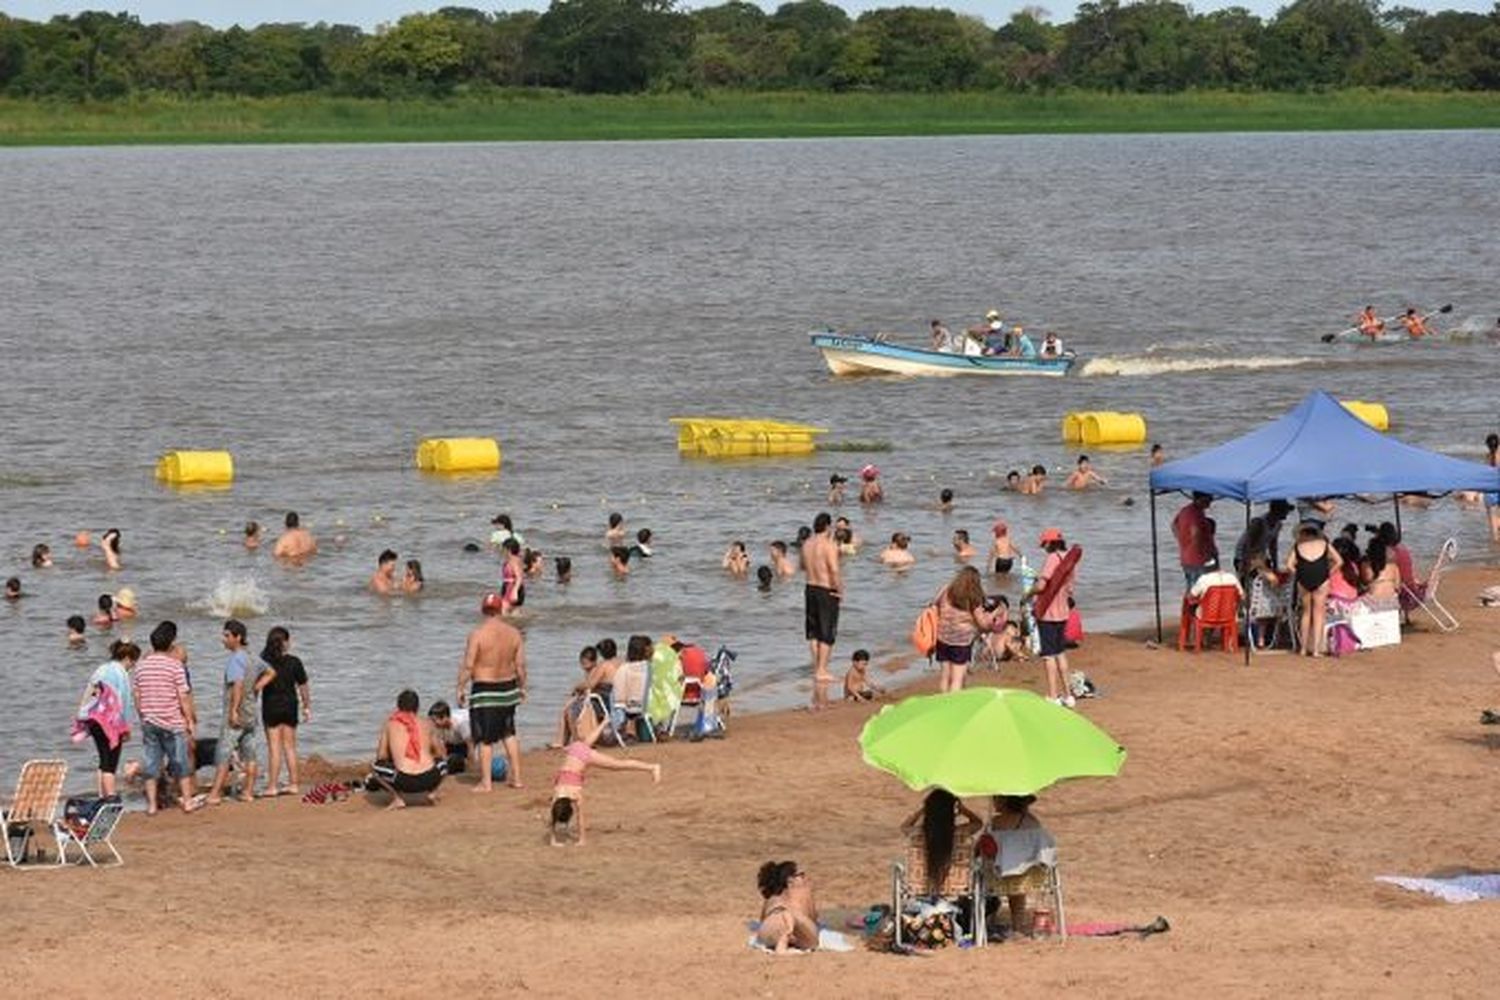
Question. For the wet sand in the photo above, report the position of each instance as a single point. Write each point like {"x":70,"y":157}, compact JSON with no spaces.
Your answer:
{"x":1255,"y":810}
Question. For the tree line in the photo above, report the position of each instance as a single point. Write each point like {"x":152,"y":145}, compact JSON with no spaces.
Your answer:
{"x":619,"y":46}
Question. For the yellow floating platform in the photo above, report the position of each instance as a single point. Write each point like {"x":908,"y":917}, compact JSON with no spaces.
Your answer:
{"x":1373,"y":414}
{"x":195,"y":468}
{"x":1103,"y":427}
{"x":458,"y":455}
{"x":726,"y":437}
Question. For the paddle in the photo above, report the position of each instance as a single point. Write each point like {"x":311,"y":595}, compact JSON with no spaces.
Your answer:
{"x":1329,"y":338}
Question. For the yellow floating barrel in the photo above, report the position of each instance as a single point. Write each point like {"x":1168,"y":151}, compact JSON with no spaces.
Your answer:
{"x":452,"y":455}
{"x":1072,"y":424}
{"x":195,"y":468}
{"x":726,"y":437}
{"x":1373,"y":414}
{"x":1113,"y":428}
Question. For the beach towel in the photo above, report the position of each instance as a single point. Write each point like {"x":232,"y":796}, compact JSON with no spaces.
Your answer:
{"x":828,"y":940}
{"x":408,"y":722}
{"x":105,"y":709}
{"x":328,"y":791}
{"x":666,"y":686}
{"x":1453,"y":889}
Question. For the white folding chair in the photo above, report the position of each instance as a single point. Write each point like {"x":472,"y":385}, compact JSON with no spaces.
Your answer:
{"x":600,"y":707}
{"x":35,"y":803}
{"x":99,"y":831}
{"x":1425,"y":595}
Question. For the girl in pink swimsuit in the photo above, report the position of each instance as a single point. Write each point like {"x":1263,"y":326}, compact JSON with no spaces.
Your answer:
{"x":567,"y":787}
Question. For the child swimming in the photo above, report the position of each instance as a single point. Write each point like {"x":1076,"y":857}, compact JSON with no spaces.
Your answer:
{"x":567,"y":787}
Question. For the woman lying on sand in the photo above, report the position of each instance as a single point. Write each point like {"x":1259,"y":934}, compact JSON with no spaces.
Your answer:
{"x":788,"y":917}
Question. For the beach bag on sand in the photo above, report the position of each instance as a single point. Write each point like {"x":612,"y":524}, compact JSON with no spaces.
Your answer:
{"x":924,"y":632}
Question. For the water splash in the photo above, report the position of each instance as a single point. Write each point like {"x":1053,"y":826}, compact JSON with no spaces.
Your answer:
{"x":1143,"y":365}
{"x":235,"y":597}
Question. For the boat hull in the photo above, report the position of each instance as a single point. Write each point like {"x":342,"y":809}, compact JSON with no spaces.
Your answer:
{"x":858,"y":355}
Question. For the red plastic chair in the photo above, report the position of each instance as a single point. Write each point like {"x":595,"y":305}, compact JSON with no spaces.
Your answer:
{"x":1218,"y":608}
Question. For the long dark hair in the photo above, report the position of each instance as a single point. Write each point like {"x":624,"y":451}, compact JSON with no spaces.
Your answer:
{"x":1349,"y":553}
{"x":275,"y":649}
{"x":937,"y":835}
{"x":774,"y":876}
{"x":1375,"y":555}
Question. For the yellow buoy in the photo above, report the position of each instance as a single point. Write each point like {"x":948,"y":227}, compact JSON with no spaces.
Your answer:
{"x":195,"y":468}
{"x":449,"y":455}
{"x":724,"y":437}
{"x":1373,"y":414}
{"x":1113,"y":428}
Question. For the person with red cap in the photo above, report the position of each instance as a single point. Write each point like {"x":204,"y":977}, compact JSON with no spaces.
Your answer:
{"x":491,"y":683}
{"x":1055,"y":582}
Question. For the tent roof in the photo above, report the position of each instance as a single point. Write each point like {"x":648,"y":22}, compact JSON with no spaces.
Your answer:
{"x":1319,"y":449}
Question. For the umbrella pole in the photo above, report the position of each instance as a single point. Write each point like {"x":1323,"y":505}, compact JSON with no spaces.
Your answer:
{"x":1245,"y":583}
{"x":1155,"y":567}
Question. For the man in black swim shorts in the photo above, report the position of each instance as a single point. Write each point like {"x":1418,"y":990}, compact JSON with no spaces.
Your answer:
{"x":491,"y":683}
{"x":823,"y":596}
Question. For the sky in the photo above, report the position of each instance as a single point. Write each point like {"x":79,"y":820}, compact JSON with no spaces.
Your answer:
{"x":369,"y":13}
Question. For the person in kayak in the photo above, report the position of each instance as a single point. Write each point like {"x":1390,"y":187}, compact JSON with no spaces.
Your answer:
{"x":1370,"y":325}
{"x":1416,"y":325}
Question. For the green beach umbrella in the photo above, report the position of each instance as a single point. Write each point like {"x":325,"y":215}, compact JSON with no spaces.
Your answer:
{"x":987,"y":741}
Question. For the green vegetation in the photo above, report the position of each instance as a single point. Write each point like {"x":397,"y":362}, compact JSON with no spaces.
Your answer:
{"x":644,"y":69}
{"x":726,"y":114}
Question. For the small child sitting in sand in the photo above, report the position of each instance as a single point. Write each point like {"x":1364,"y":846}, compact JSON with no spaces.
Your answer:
{"x":567,"y":787}
{"x":857,"y":685}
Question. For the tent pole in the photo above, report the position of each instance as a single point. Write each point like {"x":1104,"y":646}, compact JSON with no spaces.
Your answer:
{"x":1396,"y":503}
{"x":1244,"y":582}
{"x":1155,"y":568}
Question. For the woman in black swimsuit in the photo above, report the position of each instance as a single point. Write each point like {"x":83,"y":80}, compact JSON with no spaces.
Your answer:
{"x":1312,"y":561}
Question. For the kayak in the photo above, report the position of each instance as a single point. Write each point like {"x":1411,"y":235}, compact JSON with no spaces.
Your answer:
{"x":858,"y":354}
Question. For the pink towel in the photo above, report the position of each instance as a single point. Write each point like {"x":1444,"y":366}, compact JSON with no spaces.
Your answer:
{"x":104,"y":709}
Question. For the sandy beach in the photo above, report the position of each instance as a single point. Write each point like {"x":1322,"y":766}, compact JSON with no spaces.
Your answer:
{"x":1256,"y":808}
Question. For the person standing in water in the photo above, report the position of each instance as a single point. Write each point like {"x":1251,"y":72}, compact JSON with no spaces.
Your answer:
{"x":296,"y":543}
{"x":491,"y":683}
{"x":383,"y":581}
{"x":822,"y":597}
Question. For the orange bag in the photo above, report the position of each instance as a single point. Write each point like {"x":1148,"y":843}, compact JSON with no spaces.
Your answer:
{"x":924,"y":632}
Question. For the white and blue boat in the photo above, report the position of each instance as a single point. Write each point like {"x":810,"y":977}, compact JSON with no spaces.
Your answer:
{"x":857,"y":354}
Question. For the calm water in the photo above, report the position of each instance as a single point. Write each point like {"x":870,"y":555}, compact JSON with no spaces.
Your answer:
{"x":317,"y":310}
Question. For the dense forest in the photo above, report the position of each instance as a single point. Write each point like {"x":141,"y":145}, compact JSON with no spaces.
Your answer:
{"x":617,"y":46}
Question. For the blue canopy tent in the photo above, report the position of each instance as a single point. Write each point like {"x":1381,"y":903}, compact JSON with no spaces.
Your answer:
{"x":1319,"y":449}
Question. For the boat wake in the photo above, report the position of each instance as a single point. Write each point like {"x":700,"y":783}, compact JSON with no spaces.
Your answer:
{"x":1149,"y":365}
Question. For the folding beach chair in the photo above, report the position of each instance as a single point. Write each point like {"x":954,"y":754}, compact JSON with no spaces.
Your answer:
{"x":962,"y":885}
{"x":601,"y":709}
{"x":1425,"y":595}
{"x":1040,"y":884}
{"x":35,"y":802}
{"x":84,"y":835}
{"x":632,"y":690}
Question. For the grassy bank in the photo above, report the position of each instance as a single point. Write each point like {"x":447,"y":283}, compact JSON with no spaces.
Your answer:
{"x":533,"y":115}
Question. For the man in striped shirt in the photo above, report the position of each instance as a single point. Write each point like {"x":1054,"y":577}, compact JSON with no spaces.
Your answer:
{"x":168,"y":718}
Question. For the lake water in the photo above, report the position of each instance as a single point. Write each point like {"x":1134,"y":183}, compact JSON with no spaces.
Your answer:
{"x":316,"y":310}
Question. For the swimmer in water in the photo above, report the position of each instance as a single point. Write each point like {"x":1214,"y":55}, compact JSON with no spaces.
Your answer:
{"x":412,"y":581}
{"x":383,"y":581}
{"x":1002,"y":549}
{"x":1013,"y":481}
{"x":781,"y":563}
{"x":77,"y":639}
{"x":107,"y":615}
{"x":296,"y":543}
{"x":836,"y":488}
{"x":1158,"y":455}
{"x":1034,"y":483}
{"x":737,"y":559}
{"x":842,"y":524}
{"x":564,"y":568}
{"x":870,"y":490}
{"x":763,"y":579}
{"x":109,"y":544}
{"x":962,"y":550}
{"x":124,"y":604}
{"x":1084,"y":476}
{"x":642,"y":546}
{"x":619,"y":560}
{"x":252,"y":535}
{"x":897,"y":555}
{"x":531,"y":563}
{"x":945,"y":502}
{"x":41,"y":556}
{"x":13,"y":589}
{"x":615,"y":533}
{"x":512,"y":577}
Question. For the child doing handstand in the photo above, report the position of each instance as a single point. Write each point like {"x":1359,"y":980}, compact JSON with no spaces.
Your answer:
{"x":567,"y":787}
